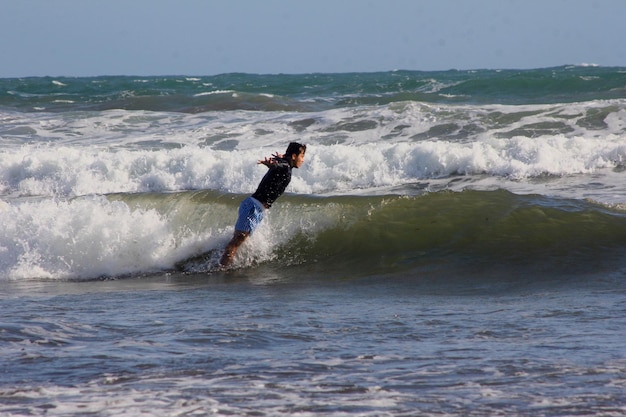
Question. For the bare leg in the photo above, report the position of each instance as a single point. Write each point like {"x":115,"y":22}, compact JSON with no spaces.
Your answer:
{"x":232,"y":247}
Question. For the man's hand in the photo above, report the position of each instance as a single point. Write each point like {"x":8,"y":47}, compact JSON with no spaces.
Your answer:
{"x":271,"y":161}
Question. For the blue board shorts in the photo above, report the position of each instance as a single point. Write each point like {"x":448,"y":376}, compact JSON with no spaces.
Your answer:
{"x":250,"y":215}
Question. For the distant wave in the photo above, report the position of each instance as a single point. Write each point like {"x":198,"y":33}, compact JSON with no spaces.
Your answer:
{"x":313,"y":92}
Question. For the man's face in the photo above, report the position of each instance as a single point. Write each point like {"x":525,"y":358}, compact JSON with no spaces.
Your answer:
{"x":297,"y":160}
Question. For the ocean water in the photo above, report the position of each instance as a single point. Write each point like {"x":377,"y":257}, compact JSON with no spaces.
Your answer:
{"x":454,"y":245}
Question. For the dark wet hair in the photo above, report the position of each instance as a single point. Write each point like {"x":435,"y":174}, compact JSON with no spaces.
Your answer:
{"x":294,"y":148}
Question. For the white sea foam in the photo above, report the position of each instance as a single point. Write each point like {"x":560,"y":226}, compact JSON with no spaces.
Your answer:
{"x":344,"y":388}
{"x":212,"y":93}
{"x":81,"y":238}
{"x":74,"y":171}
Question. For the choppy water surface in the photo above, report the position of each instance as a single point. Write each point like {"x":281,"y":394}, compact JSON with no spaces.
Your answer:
{"x":262,"y":343}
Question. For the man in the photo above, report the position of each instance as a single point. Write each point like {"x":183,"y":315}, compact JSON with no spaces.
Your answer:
{"x":270,"y":188}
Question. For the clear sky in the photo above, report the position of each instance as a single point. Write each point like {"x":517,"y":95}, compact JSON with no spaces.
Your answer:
{"x":207,"y":37}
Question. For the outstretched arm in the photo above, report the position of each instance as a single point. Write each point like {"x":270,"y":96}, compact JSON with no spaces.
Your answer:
{"x":271,"y":161}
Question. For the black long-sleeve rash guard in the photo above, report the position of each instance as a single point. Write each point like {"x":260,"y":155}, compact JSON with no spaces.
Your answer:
{"x":274,"y":183}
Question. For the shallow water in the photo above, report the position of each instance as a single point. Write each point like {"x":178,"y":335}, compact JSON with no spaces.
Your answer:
{"x":281,"y":342}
